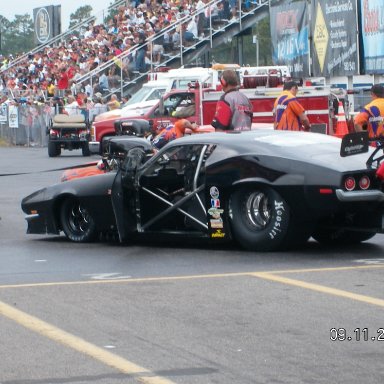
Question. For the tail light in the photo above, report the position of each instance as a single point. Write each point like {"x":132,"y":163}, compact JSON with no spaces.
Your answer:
{"x":350,"y":183}
{"x":364,"y":182}
{"x":358,"y":182}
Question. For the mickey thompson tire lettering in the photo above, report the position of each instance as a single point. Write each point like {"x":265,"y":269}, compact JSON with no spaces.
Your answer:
{"x":260,"y":218}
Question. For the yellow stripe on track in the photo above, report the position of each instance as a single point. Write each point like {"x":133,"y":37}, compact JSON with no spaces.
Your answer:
{"x":41,"y":327}
{"x":320,"y":288}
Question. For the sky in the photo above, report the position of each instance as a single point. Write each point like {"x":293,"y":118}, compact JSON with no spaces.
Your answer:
{"x":9,"y":9}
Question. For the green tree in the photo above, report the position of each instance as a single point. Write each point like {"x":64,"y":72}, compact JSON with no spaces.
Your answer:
{"x":229,"y":52}
{"x":81,"y":14}
{"x":17,"y":35}
{"x":4,"y":25}
{"x":113,"y":10}
{"x":263,"y":33}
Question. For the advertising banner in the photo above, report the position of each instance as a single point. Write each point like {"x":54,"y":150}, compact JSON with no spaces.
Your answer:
{"x":47,"y":23}
{"x":289,"y":33}
{"x":334,"y":38}
{"x":372,"y":30}
{"x":3,"y":113}
{"x":13,"y":116}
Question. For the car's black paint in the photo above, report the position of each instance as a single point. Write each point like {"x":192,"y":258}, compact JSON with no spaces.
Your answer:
{"x":192,"y":187}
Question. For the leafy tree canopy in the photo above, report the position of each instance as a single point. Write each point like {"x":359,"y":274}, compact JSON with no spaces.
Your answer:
{"x":81,"y":14}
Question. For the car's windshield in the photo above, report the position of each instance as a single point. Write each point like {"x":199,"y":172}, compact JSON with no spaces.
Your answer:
{"x":136,"y":111}
{"x":145,"y":94}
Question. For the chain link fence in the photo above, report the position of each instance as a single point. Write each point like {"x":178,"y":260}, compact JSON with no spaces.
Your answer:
{"x":26,"y":124}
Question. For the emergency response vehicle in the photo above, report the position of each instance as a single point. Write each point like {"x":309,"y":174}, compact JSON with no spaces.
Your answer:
{"x":320,"y":102}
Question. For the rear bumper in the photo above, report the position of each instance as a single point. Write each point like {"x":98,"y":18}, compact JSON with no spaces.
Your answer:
{"x":359,"y":196}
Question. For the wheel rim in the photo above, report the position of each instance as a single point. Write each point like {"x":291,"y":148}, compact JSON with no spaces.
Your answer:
{"x":79,"y":220}
{"x":257,"y":210}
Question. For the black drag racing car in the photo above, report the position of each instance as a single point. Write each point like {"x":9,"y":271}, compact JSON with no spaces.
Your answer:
{"x":268,"y":190}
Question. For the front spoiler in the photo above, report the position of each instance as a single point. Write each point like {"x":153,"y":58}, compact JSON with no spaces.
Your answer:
{"x":37,"y":225}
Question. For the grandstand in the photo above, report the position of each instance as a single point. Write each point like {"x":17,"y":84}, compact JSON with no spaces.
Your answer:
{"x":115,"y":56}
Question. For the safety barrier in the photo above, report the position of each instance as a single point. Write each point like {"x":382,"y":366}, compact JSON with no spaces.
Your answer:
{"x":26,"y":124}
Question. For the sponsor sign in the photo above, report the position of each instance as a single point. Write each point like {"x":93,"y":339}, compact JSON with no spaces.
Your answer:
{"x":3,"y":113}
{"x":47,"y":23}
{"x":372,"y":31}
{"x":13,"y":116}
{"x":290,"y":37}
{"x":334,"y":38}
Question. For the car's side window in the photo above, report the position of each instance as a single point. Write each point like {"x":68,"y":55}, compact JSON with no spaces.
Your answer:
{"x":176,"y":158}
{"x":178,"y":167}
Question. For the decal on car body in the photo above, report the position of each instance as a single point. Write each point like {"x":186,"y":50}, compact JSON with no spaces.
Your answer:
{"x":218,"y":234}
{"x":279,"y":208}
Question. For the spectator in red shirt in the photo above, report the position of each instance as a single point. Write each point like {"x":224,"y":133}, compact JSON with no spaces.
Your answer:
{"x":63,"y":82}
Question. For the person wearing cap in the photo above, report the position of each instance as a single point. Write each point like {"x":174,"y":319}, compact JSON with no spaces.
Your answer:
{"x":371,"y":116}
{"x":289,"y":114}
{"x":234,"y":110}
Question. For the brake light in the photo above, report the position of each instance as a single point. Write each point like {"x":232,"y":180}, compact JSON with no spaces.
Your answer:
{"x":350,"y":183}
{"x":364,"y":182}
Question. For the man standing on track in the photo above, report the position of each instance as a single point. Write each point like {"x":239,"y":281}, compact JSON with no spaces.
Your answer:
{"x":372,"y":115}
{"x":288,"y":113}
{"x":234,"y":110}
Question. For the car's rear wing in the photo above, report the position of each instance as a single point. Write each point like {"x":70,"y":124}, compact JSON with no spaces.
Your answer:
{"x":354,"y":143}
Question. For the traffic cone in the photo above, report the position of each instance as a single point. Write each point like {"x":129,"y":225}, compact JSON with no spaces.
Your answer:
{"x":341,"y":126}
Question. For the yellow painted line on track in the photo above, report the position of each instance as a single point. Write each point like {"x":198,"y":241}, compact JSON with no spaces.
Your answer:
{"x":330,"y":269}
{"x":141,"y":374}
{"x":320,"y":288}
{"x":186,"y":277}
{"x":33,"y":323}
{"x":134,"y":280}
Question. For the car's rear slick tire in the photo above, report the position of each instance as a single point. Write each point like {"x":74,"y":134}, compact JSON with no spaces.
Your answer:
{"x":260,"y":218}
{"x":76,"y":222}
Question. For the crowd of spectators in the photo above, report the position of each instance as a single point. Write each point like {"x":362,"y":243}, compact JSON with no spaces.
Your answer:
{"x":54,"y":71}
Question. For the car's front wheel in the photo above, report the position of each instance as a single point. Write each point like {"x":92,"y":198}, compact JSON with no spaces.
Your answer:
{"x":77,"y":224}
{"x":260,"y":218}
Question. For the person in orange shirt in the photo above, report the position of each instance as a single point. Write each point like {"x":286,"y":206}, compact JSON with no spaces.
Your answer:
{"x":372,"y":115}
{"x":288,"y":113}
{"x":172,"y":132}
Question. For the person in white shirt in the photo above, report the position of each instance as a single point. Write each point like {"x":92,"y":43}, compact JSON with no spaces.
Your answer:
{"x":191,"y":31}
{"x":202,"y":20}
{"x":72,"y":106}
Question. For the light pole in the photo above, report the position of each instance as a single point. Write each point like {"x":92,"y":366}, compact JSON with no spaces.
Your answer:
{"x":256,"y":41}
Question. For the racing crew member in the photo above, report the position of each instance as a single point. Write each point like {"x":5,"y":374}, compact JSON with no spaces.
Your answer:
{"x":234,"y":110}
{"x":172,"y":132}
{"x":288,"y":113}
{"x":372,"y":115}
